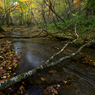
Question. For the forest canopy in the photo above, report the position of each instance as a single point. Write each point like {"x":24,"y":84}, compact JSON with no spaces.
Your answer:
{"x":40,"y":10}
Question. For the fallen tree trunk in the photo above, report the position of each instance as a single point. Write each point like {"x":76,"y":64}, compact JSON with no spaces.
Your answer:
{"x":7,"y":83}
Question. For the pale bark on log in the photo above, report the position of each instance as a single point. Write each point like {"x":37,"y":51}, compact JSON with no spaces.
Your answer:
{"x":7,"y":83}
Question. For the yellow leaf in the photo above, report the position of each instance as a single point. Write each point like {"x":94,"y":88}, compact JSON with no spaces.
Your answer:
{"x":14,"y":73}
{"x":15,"y":66}
{"x":65,"y":82}
{"x":52,"y":72}
{"x":22,"y":82}
{"x":43,"y":79}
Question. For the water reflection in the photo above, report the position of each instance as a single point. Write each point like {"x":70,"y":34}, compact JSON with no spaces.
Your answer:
{"x":36,"y":51}
{"x":33,"y":54}
{"x":33,"y":60}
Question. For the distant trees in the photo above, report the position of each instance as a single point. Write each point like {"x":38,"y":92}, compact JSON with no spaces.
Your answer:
{"x":90,"y":7}
{"x":43,"y":11}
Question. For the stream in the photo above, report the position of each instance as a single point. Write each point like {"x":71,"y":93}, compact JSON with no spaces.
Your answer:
{"x":35,"y":51}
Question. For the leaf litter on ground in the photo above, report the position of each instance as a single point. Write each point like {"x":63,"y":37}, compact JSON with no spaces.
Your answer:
{"x":8,"y":59}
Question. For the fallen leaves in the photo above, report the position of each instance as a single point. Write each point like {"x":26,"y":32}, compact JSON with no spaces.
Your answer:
{"x":87,"y":60}
{"x":53,"y":72}
{"x":51,"y":90}
{"x":21,"y":88}
{"x":8,"y":59}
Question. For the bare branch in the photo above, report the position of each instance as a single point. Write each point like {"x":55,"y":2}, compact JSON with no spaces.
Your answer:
{"x":54,"y":55}
{"x":50,"y":7}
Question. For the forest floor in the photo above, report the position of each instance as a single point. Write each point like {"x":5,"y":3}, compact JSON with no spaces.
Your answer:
{"x":52,"y":81}
{"x":8,"y":59}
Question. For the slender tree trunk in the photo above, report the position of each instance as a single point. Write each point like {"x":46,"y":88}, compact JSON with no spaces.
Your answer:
{"x":52,"y":9}
{"x":7,"y":19}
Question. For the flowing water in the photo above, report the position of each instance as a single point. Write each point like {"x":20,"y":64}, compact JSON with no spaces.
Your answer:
{"x":34,"y":51}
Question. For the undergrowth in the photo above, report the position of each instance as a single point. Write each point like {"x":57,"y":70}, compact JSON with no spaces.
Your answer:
{"x":85,"y":28}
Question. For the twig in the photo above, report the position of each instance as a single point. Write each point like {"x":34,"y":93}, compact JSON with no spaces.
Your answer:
{"x":73,"y":54}
{"x":53,"y":56}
